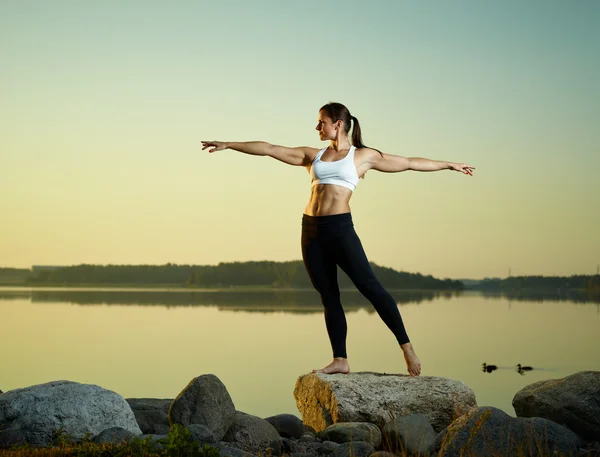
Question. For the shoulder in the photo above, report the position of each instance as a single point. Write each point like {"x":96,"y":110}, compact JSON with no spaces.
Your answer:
{"x":311,"y":153}
{"x":367,"y":154}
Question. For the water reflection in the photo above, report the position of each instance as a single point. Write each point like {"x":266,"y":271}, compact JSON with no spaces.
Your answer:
{"x":573,"y":295}
{"x":523,"y":369}
{"x":287,"y":301}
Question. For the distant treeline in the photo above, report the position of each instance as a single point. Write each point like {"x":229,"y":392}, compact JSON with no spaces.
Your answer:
{"x":246,"y":274}
{"x":12,"y":276}
{"x":581,"y":282}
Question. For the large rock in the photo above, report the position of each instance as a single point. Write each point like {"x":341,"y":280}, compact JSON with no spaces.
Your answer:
{"x":345,"y":432}
{"x":484,"y":432}
{"x":202,"y":434}
{"x":324,"y":399}
{"x":288,"y":425}
{"x":251,"y":432}
{"x":204,"y":401}
{"x":573,"y":401}
{"x":411,"y":434}
{"x":152,"y":414}
{"x":34,"y":414}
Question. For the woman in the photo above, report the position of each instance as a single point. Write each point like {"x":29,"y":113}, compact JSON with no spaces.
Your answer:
{"x":328,"y":236}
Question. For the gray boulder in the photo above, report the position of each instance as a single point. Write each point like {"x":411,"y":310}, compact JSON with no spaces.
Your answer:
{"x":327,"y":447}
{"x":413,"y":434}
{"x":573,"y":401}
{"x":353,"y":449}
{"x":489,"y":431}
{"x":204,"y":401}
{"x":202,"y":434}
{"x":115,"y":435}
{"x":287,"y":425}
{"x":251,"y":432}
{"x":234,"y":452}
{"x":345,"y":432}
{"x":151,"y":414}
{"x":325,"y":399}
{"x":34,"y":414}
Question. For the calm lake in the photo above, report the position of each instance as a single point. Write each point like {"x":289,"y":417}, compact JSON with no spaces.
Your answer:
{"x":151,"y":343}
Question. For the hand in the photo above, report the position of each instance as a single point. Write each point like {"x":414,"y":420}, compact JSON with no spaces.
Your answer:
{"x":462,"y":167}
{"x":215,"y":145}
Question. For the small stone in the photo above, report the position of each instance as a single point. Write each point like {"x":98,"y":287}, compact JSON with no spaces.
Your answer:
{"x":327,"y":447}
{"x":307,"y":438}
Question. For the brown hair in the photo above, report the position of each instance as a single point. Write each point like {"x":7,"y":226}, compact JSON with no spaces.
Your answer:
{"x":337,"y":111}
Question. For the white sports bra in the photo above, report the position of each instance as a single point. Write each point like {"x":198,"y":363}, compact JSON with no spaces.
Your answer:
{"x":341,"y":172}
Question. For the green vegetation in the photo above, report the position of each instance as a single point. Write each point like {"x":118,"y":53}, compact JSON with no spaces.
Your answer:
{"x":240,"y":274}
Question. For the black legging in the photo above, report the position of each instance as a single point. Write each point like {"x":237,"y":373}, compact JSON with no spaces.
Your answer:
{"x":328,"y":241}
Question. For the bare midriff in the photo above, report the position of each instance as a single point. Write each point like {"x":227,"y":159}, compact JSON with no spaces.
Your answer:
{"x":327,"y":200}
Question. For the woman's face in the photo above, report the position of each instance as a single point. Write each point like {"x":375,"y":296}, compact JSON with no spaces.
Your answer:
{"x":325,"y":127}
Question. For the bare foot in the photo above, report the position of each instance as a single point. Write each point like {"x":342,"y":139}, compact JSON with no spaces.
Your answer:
{"x":339,"y":365}
{"x":413,"y":364}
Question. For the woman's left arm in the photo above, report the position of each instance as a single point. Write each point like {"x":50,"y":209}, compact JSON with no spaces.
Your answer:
{"x":389,"y":163}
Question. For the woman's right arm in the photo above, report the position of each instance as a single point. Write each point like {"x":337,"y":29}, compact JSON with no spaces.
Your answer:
{"x":301,"y":156}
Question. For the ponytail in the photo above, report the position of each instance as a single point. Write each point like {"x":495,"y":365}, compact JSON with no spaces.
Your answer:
{"x":356,"y":134}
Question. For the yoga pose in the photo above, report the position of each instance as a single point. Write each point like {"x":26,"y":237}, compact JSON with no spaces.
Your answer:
{"x":328,"y":236}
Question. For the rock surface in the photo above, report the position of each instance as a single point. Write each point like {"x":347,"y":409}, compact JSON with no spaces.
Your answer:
{"x":202,"y":434}
{"x":34,"y":414}
{"x":251,"y":432}
{"x":345,"y":432}
{"x":377,"y":398}
{"x":413,"y":434}
{"x":226,"y":451}
{"x":151,"y":414}
{"x":114,"y":435}
{"x":489,"y":431}
{"x":353,"y":449}
{"x":573,"y":401}
{"x":204,"y":401}
{"x":287,"y":425}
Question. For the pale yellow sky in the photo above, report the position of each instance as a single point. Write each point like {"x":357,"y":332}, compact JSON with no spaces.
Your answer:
{"x":104,"y":107}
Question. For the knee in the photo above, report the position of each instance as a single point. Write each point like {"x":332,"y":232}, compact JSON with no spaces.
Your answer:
{"x":370,"y":287}
{"x":331,"y":302}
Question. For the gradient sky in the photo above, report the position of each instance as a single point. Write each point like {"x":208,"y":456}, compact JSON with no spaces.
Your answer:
{"x":104,"y":104}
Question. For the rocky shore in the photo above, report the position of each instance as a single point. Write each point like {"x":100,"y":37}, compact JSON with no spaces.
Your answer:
{"x":359,"y":415}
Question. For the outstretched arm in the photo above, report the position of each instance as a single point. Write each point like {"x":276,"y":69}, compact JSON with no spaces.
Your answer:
{"x":392,"y":163}
{"x":301,"y":156}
